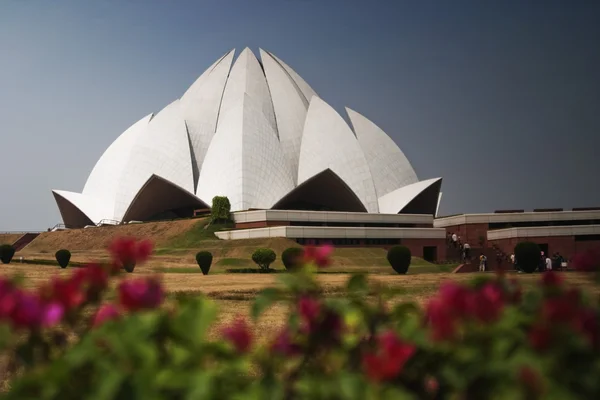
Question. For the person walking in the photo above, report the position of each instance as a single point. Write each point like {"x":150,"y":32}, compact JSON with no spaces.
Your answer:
{"x":467,"y":248}
{"x":548,"y":263}
{"x":482,"y":262}
{"x":454,"y":240}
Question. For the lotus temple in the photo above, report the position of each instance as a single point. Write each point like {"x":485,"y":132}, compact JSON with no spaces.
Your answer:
{"x":254,"y":131}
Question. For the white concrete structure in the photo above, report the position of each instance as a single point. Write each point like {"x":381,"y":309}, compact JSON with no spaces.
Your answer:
{"x":332,"y":232}
{"x":533,"y":217}
{"x":330,"y":216}
{"x":543,"y":231}
{"x":256,"y":132}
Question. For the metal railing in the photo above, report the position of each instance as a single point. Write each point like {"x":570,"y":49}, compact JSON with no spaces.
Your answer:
{"x":108,"y":222}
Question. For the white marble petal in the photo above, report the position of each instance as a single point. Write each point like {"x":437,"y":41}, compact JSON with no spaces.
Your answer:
{"x":394,"y":202}
{"x":96,"y":210}
{"x":290,"y":107}
{"x":389,"y":166}
{"x":104,"y":180}
{"x":245,"y":161}
{"x":164,"y":150}
{"x":328,"y":142}
{"x":301,"y":83}
{"x":200,"y":108}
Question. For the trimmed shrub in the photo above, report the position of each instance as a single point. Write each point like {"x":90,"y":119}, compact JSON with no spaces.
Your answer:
{"x":6,"y":253}
{"x":264,"y":257}
{"x":399,"y":258}
{"x":291,"y":257}
{"x":527,"y":256}
{"x":204,"y":260}
{"x":221,"y":209}
{"x":129,"y":266}
{"x":63,"y":257}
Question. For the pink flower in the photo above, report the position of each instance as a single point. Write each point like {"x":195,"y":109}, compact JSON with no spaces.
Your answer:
{"x":588,"y":323}
{"x":66,"y":292}
{"x":27,"y":311}
{"x":531,"y":380}
{"x":52,"y":314}
{"x":106,"y":313}
{"x":93,"y":276}
{"x":540,"y":337}
{"x":389,"y":359}
{"x":309,"y":309}
{"x":239,"y":335}
{"x":284,"y":344}
{"x":318,"y":255}
{"x":551,"y":279}
{"x":487,"y":303}
{"x":139,"y":294}
{"x":8,"y":298}
{"x":442,"y":322}
{"x":128,"y":251}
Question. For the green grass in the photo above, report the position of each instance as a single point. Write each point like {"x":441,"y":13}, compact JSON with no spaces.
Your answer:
{"x":201,"y":231}
{"x":178,"y":270}
{"x":53,"y":263}
{"x":234,"y":262}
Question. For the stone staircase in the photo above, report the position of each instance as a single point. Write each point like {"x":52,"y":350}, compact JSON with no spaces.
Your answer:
{"x":492,"y":260}
{"x":24,"y":240}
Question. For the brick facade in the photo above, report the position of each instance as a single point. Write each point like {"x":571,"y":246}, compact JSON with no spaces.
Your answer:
{"x":470,"y":233}
{"x":416,"y":247}
{"x":567,"y":246}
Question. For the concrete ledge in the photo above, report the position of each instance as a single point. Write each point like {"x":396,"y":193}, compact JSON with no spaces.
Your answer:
{"x":515,"y":217}
{"x":330,"y":232}
{"x":542,"y":231}
{"x":330,"y":216}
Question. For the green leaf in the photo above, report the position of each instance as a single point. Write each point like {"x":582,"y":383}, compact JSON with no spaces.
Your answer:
{"x":357,"y":284}
{"x":265,"y":298}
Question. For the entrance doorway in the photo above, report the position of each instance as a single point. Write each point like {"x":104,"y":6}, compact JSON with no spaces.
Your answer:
{"x":430,"y":253}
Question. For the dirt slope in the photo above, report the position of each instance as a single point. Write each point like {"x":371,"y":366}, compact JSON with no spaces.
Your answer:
{"x":9,"y":238}
{"x":98,"y":238}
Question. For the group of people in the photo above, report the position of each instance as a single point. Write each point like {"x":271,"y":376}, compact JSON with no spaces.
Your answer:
{"x":546,"y":263}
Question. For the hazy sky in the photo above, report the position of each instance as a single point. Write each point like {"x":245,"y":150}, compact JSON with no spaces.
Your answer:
{"x":500,"y":98}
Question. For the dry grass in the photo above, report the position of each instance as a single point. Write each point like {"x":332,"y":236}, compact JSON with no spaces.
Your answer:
{"x":9,"y":238}
{"x":234,"y":293}
{"x":98,"y":238}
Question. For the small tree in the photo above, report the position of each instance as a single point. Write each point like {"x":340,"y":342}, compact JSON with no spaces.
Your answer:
{"x":527,"y":256}
{"x":221,"y":209}
{"x":63,"y":257}
{"x":204,"y":260}
{"x":399,"y":258}
{"x":291,"y":257}
{"x":6,"y":253}
{"x":264,"y":258}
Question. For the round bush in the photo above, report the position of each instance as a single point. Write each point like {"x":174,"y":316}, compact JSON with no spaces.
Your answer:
{"x":264,"y":257}
{"x":129,"y":267}
{"x":527,"y":256}
{"x":291,"y":257}
{"x":399,"y":258}
{"x":6,"y":253}
{"x":63,"y":257}
{"x":204,"y":260}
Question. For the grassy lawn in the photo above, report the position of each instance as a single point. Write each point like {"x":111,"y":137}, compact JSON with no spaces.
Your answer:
{"x":234,"y":293}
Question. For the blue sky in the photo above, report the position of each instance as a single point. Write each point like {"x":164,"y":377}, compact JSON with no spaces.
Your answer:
{"x":501,"y":98}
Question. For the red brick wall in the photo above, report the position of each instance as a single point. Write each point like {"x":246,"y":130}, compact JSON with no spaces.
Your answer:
{"x":416,"y":246}
{"x":469,"y":233}
{"x":565,"y":245}
{"x":587,"y":245}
